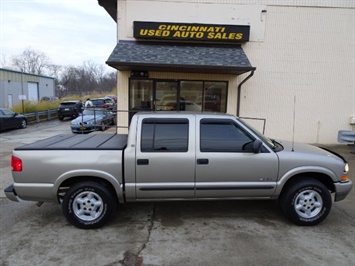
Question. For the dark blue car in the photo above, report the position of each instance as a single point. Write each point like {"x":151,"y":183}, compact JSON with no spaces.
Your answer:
{"x":9,"y":120}
{"x":92,"y":119}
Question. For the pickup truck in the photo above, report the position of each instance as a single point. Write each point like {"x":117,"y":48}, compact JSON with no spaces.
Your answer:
{"x":177,"y":156}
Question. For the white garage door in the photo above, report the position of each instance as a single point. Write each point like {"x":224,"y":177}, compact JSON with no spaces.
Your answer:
{"x":33,"y":91}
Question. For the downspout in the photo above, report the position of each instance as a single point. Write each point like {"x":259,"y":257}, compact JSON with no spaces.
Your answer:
{"x":240,"y":89}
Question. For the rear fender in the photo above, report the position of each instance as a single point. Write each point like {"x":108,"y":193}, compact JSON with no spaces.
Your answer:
{"x":118,"y":187}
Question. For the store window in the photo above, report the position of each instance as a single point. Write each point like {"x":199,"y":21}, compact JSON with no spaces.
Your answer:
{"x":177,"y":95}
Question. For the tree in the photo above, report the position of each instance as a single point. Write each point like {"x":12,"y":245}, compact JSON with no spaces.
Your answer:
{"x":31,"y":61}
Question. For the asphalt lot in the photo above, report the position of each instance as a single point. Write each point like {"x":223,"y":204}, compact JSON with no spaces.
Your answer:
{"x":169,"y":233}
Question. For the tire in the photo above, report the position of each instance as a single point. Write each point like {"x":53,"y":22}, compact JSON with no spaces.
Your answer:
{"x":61,"y":118}
{"x":88,"y":205}
{"x":23,"y":123}
{"x":306,"y":202}
{"x":102,"y":126}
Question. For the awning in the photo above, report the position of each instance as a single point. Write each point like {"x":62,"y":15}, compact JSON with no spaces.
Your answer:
{"x":179,"y":58}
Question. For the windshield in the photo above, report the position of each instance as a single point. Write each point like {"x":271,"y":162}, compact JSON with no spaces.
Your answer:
{"x":265,"y":139}
{"x":93,"y":112}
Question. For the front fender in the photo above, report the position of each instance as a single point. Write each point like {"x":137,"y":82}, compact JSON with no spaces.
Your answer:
{"x":89,"y":173}
{"x":303,"y":170}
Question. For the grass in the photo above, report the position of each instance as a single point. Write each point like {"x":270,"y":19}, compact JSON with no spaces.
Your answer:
{"x":34,"y":106}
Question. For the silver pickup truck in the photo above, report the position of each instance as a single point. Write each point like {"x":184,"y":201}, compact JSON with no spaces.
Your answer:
{"x":177,"y":156}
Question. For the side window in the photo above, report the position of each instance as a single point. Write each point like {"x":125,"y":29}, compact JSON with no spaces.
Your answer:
{"x":164,"y":135}
{"x":223,"y":136}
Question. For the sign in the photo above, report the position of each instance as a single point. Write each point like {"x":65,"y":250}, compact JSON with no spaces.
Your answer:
{"x":22,"y":97}
{"x":191,"y":32}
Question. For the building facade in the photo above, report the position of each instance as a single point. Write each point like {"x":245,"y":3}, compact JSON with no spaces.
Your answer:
{"x":290,"y":63}
{"x":16,"y":86}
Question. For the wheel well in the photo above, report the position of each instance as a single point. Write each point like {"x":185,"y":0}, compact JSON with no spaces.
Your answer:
{"x":63,"y":188}
{"x":323,"y":178}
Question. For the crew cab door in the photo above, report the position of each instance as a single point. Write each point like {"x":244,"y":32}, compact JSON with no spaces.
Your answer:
{"x":226,"y":165}
{"x":165,"y":158}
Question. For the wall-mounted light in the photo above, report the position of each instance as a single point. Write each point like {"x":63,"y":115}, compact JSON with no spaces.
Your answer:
{"x":139,"y":74}
{"x":263,"y":12}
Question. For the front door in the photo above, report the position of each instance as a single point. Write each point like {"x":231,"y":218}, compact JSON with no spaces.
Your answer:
{"x":226,"y":166}
{"x":165,"y":158}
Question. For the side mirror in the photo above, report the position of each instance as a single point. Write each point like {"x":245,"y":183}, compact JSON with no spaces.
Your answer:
{"x":257,"y":146}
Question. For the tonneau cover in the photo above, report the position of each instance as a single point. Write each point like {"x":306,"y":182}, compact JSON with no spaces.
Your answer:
{"x":79,"y":142}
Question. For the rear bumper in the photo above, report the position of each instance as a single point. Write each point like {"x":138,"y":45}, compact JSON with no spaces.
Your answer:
{"x":11,"y":193}
{"x":342,"y":190}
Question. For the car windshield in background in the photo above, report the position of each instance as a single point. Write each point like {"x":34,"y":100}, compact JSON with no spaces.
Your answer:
{"x":93,"y":112}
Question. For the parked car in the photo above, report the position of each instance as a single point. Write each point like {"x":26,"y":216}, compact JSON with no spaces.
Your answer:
{"x":49,"y":99}
{"x":209,"y":103}
{"x":10,"y":119}
{"x":113,"y":97}
{"x":69,"y":109}
{"x":92,"y":120}
{"x":184,"y":106}
{"x":105,"y":102}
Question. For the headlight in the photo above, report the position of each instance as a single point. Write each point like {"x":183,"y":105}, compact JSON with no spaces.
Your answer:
{"x":346,"y":168}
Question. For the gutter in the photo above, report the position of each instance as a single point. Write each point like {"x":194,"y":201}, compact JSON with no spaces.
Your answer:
{"x":240,"y":89}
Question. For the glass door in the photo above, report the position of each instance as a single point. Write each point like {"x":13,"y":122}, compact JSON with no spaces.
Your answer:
{"x":166,"y":96}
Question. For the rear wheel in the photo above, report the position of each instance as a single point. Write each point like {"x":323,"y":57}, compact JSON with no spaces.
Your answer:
{"x":88,"y":205}
{"x":307,"y":202}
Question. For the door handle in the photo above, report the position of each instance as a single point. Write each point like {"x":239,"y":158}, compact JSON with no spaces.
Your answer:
{"x":202,"y":161}
{"x":142,"y":161}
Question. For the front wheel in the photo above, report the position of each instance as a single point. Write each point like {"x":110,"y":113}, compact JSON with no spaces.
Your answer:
{"x":23,"y":123}
{"x":88,"y":205}
{"x":307,"y":202}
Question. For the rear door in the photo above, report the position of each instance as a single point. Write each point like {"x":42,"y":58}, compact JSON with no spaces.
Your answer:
{"x":226,"y":166}
{"x":165,"y":158}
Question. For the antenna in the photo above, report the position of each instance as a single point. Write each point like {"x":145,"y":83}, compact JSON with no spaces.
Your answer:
{"x":294,"y":121}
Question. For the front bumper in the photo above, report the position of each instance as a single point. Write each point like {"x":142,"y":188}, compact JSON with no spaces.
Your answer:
{"x":342,"y":190}
{"x":10,"y":193}
{"x":84,"y":129}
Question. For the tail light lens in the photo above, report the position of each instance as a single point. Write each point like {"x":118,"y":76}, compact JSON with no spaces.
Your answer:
{"x":16,"y":164}
{"x":104,"y":105}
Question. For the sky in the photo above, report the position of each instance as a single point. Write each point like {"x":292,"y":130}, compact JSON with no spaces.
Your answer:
{"x":69,"y":32}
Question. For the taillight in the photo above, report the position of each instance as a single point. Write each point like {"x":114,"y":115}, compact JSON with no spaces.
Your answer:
{"x":104,"y":105}
{"x":16,"y":164}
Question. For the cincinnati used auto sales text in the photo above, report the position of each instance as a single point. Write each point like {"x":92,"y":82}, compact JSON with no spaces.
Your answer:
{"x":198,"y":32}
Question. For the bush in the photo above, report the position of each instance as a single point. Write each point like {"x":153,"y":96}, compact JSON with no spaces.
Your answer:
{"x":33,"y":106}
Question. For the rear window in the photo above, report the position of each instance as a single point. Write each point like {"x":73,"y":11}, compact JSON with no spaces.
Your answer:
{"x":67,"y":103}
{"x":164,"y":135}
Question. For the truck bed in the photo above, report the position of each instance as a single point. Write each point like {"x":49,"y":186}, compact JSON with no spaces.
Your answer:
{"x":79,"y":142}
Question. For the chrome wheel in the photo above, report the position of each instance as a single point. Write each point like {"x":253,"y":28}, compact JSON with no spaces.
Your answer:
{"x":88,"y":206}
{"x":308,"y":204}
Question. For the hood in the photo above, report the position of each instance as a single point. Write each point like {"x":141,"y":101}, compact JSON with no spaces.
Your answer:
{"x":307,"y":149}
{"x":86,"y":118}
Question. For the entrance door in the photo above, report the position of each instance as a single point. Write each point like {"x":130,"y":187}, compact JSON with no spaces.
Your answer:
{"x":166,"y":96}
